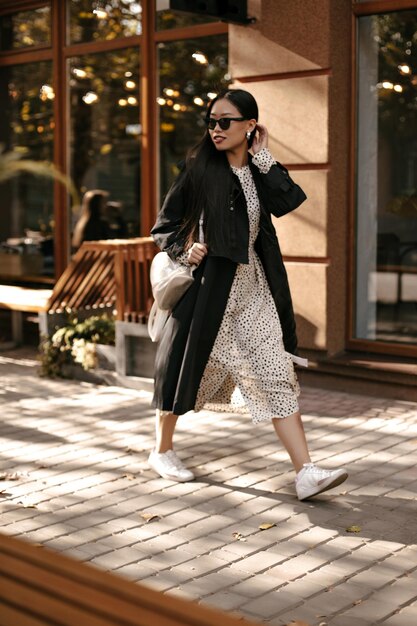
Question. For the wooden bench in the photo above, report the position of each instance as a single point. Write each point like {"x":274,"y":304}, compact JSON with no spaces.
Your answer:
{"x":102,"y":276}
{"x":21,"y":300}
{"x":39,"y":587}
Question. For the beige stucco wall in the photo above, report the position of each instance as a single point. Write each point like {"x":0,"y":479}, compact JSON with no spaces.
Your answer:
{"x":308,"y":122}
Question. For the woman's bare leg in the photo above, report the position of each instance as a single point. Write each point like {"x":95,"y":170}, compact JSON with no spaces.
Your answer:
{"x":290,"y":431}
{"x":164,"y":427}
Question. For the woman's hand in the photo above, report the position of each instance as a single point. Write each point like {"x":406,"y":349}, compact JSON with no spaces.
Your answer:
{"x":260,"y":140}
{"x":196,"y":253}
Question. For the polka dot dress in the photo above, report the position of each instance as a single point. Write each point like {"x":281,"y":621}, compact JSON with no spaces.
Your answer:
{"x":248,"y":369}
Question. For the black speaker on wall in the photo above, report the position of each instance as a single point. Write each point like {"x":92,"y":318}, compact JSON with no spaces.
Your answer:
{"x":225,"y":10}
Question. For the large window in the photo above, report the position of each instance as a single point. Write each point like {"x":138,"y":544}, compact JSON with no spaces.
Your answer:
{"x":115,"y":98}
{"x":27,"y":127}
{"x":26,"y":29}
{"x":191,"y":72}
{"x":94,"y":21}
{"x":386,"y":218}
{"x":105,"y":133}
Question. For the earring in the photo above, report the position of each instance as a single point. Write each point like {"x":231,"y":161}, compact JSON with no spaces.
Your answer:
{"x":248,"y":135}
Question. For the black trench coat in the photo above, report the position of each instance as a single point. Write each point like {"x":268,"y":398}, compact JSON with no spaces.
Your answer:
{"x":192,"y":327}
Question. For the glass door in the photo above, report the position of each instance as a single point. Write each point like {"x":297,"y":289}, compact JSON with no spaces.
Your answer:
{"x":386,"y":179}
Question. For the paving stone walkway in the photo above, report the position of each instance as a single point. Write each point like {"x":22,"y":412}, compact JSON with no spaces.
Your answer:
{"x":75,"y":479}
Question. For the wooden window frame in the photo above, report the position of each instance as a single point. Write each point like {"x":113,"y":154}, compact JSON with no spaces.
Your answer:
{"x":16,"y":6}
{"x":359,"y":9}
{"x":59,"y":52}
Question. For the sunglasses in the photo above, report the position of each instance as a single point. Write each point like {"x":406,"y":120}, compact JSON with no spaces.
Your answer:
{"x":223,"y":122}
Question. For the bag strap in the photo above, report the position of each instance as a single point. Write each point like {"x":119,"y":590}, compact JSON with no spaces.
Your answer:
{"x":200,"y":228}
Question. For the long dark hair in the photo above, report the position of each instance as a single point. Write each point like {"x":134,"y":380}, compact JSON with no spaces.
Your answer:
{"x":207,"y":178}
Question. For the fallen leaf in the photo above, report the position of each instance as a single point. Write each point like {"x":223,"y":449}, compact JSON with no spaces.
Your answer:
{"x":358,"y":602}
{"x":266,"y":526}
{"x":129,"y":476}
{"x":10,"y":476}
{"x":238,"y":536}
{"x":353,"y":529}
{"x":150,"y":517}
{"x":27,"y":505}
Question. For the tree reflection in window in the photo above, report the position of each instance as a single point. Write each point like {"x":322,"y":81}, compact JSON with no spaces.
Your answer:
{"x":27,"y":127}
{"x":105,"y":20}
{"x":25,"y":29}
{"x":190,"y":73}
{"x":386,"y":216}
{"x":105,"y":133}
{"x":396,"y":37}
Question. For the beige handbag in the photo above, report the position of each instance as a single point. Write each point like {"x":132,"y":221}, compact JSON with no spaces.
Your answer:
{"x":169,"y":280}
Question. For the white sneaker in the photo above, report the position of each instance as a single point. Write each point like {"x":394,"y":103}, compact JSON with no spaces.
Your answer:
{"x":169,"y":466}
{"x":312,"y":480}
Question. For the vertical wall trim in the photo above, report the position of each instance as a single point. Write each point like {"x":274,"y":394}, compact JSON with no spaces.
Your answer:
{"x":148,"y":119}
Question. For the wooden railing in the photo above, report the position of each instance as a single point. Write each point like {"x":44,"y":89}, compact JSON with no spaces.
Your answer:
{"x":132,"y":267}
{"x":111,"y":274}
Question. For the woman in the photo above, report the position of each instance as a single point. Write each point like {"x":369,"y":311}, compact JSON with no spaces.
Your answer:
{"x":231,"y":341}
{"x":91,"y":225}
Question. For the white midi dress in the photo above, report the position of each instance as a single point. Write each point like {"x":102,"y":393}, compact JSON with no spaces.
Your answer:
{"x":248,"y":369}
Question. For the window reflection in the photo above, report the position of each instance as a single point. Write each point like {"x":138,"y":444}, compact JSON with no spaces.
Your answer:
{"x":105,"y":136}
{"x":25,"y":29}
{"x":105,"y":20}
{"x":190,"y":73}
{"x":386,"y":290}
{"x":27,"y":127}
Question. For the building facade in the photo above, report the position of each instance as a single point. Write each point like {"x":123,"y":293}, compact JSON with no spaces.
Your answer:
{"x":114,"y":93}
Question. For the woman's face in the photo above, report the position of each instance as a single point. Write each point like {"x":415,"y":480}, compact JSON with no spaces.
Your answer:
{"x":235,"y":136}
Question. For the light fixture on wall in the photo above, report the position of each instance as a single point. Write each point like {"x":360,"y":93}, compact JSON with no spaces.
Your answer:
{"x":387,"y":84}
{"x":99,"y":9}
{"x":200,"y":57}
{"x":46,"y":93}
{"x":79,"y":73}
{"x":404,"y":68}
{"x":90,"y":97}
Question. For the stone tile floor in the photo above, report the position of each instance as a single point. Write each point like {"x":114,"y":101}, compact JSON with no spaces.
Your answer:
{"x":83,"y":488}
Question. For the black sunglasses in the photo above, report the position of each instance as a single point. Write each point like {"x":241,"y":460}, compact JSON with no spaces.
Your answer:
{"x":223,"y":122}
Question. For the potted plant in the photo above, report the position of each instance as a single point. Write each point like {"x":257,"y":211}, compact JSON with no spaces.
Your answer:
{"x":79,"y":346}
